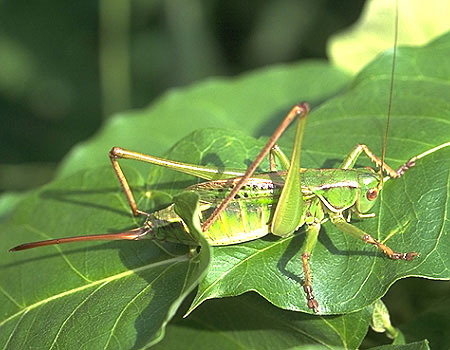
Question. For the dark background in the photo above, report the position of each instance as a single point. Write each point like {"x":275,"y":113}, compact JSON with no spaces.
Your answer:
{"x":65,"y":66}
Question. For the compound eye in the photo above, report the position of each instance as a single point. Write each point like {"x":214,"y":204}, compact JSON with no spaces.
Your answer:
{"x":372,"y":194}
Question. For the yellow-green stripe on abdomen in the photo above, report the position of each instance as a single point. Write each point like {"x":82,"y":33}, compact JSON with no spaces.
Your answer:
{"x":242,"y":221}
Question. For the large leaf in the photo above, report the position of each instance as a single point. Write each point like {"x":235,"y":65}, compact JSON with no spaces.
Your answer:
{"x":122,"y":294}
{"x":413,"y":212}
{"x":105,"y":295}
{"x":249,"y":322}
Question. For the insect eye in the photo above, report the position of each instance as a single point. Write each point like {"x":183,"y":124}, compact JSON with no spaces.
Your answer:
{"x":372,"y":194}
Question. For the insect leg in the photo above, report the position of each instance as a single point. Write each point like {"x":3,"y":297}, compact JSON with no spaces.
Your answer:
{"x":411,"y":162}
{"x":289,"y":210}
{"x":277,"y":153}
{"x":203,"y":172}
{"x":114,"y":154}
{"x":350,"y":160}
{"x":299,"y":111}
{"x":345,"y":227}
{"x":312,"y":232}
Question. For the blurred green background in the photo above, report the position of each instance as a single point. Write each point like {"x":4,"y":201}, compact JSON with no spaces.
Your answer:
{"x":65,"y":66}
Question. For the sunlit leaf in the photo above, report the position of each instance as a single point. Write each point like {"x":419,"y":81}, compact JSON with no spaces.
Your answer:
{"x":413,"y":215}
{"x":419,"y":22}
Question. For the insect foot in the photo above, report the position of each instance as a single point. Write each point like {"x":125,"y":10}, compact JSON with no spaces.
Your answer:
{"x":312,"y":302}
{"x":404,"y":256}
{"x":409,"y":164}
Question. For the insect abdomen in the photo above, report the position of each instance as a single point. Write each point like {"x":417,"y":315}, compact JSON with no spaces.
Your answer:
{"x":247,"y":217}
{"x":242,"y":221}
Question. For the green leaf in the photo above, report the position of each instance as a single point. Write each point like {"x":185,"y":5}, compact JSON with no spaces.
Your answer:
{"x":121,"y":294}
{"x":253,"y":103}
{"x":413,"y":215}
{"x":380,"y":317}
{"x":381,"y":323}
{"x":419,"y":22}
{"x":102,"y":295}
{"x":249,"y":322}
{"x":8,"y":201}
{"x":423,"y":345}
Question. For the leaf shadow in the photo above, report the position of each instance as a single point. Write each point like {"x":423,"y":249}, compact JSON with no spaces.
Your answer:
{"x":166,"y":288}
{"x":324,"y":239}
{"x":214,"y":158}
{"x":247,"y":312}
{"x":80,"y":198}
{"x":67,"y":252}
{"x":294,"y":249}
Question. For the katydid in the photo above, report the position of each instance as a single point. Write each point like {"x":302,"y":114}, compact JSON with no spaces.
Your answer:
{"x":246,"y":206}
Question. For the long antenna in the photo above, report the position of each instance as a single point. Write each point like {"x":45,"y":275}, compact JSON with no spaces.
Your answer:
{"x":391,"y":91}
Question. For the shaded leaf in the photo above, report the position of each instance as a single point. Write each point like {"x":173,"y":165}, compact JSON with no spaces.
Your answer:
{"x":433,"y":325}
{"x":423,"y":345}
{"x":413,"y":215}
{"x":102,"y":295}
{"x":249,"y":322}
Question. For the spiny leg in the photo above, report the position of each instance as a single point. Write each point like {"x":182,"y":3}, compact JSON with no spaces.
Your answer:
{"x":299,"y":111}
{"x":114,"y":154}
{"x":350,"y":160}
{"x":203,"y":172}
{"x":312,"y":232}
{"x":345,"y":227}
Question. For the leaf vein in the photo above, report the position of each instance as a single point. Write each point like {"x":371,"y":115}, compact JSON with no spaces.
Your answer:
{"x":55,"y":339}
{"x":132,"y":300}
{"x":94,"y":283}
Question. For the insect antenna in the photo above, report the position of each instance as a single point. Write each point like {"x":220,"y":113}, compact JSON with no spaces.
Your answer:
{"x":391,"y":91}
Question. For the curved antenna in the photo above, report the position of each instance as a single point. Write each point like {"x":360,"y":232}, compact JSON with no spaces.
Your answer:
{"x":134,"y":234}
{"x":391,"y":91}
